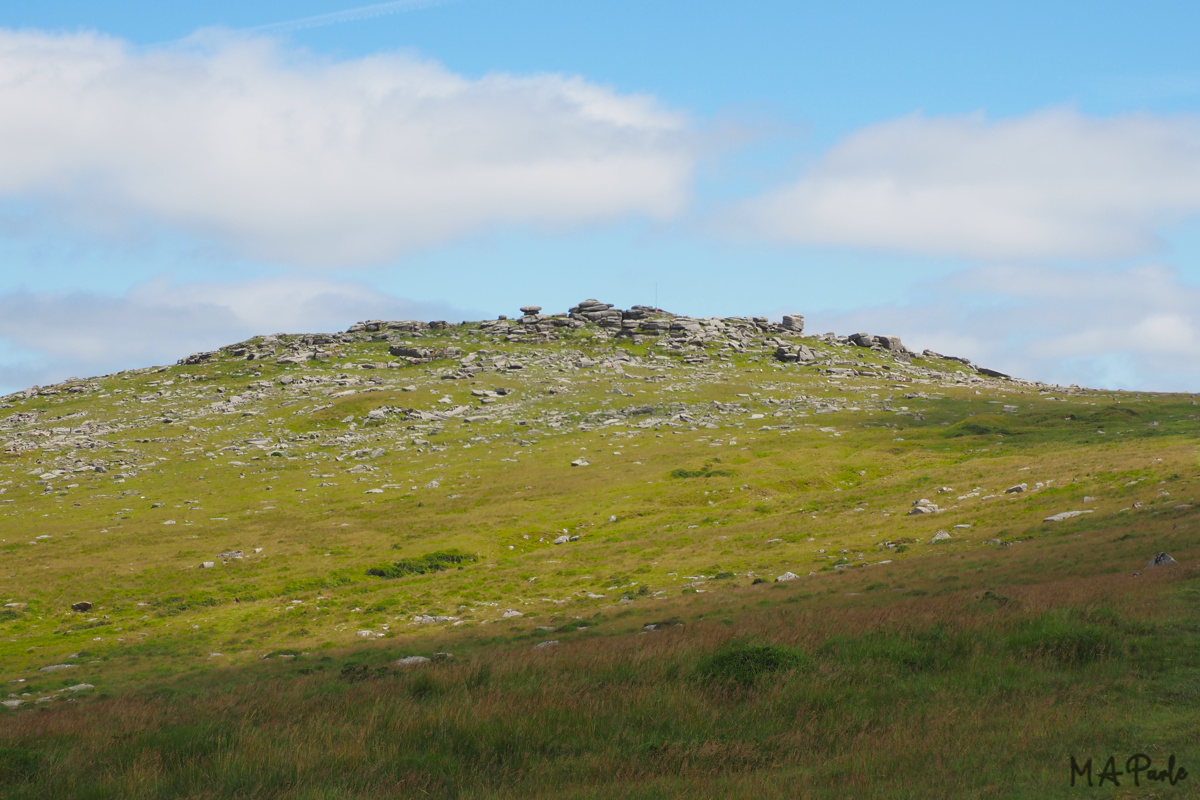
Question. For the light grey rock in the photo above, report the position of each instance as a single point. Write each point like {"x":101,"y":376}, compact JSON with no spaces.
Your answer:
{"x":511,"y":613}
{"x":58,"y":667}
{"x":862,"y":339}
{"x":940,"y":536}
{"x":545,"y":645}
{"x":562,"y":539}
{"x":580,"y":462}
{"x":1064,"y":515}
{"x":923,"y":506}
{"x":1161,"y":560}
{"x":1019,"y":488}
{"x":787,"y":576}
{"x":891,"y":343}
{"x":412,"y":661}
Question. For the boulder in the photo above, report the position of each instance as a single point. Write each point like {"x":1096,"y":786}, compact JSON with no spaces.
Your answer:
{"x":862,"y":339}
{"x":411,"y":661}
{"x":1020,"y":487}
{"x":890,"y":343}
{"x":1064,"y":515}
{"x":787,"y":576}
{"x":794,"y":322}
{"x":82,"y":605}
{"x":940,"y":536}
{"x":408,"y":351}
{"x":923,"y":506}
{"x":1161,"y":560}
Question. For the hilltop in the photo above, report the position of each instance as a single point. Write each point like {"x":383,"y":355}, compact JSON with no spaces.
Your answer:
{"x":630,"y":488}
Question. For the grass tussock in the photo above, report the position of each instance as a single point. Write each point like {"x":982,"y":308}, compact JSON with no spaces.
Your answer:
{"x":422,"y":565}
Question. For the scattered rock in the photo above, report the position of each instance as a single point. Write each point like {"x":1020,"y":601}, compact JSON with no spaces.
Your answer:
{"x":511,"y":613}
{"x":82,"y":605}
{"x":923,"y":506}
{"x":562,"y":539}
{"x":1161,"y":560}
{"x":1020,"y":487}
{"x":544,"y":645}
{"x":57,"y":667}
{"x":940,"y":536}
{"x":207,"y":565}
{"x":412,"y":661}
{"x":1065,"y":515}
{"x":787,"y":576}
{"x":579,"y":462}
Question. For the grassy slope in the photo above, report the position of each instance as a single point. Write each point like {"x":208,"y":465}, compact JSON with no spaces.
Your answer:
{"x":963,"y":665}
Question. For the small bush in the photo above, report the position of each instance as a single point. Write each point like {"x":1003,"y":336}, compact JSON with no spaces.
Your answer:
{"x":704,"y":472}
{"x":421,"y":565}
{"x":744,"y":664}
{"x":355,"y":673}
{"x":172,"y":606}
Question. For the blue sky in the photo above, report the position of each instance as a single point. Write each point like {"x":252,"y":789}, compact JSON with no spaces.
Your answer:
{"x":1019,"y":184}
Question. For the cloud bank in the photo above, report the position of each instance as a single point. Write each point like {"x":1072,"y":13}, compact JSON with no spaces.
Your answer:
{"x":50,"y":336}
{"x":1054,"y":184}
{"x":1134,"y":328}
{"x":301,"y":161}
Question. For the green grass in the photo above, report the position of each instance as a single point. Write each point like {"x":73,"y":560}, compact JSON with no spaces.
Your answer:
{"x":890,"y":668}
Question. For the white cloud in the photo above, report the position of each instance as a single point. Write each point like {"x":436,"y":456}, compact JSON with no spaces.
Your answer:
{"x":1051,"y":184}
{"x":320,"y":163}
{"x":50,"y":336}
{"x":1122,"y":329}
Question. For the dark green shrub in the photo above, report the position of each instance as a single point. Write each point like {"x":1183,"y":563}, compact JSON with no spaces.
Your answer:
{"x":704,"y":472}
{"x":421,"y":565}
{"x":743,"y":664}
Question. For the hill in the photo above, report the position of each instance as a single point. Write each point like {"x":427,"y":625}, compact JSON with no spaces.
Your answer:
{"x":646,"y":555}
